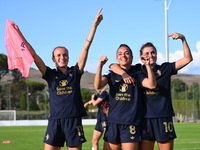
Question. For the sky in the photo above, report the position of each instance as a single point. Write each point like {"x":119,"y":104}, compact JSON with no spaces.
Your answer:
{"x":47,"y":24}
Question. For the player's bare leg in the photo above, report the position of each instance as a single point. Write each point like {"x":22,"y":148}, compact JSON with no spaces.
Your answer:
{"x":50,"y":147}
{"x":109,"y":146}
{"x":95,"y":139}
{"x":166,"y":145}
{"x":78,"y":147}
{"x":147,"y":145}
{"x":130,"y":146}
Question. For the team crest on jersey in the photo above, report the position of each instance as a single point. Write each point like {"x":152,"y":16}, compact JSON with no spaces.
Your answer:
{"x":159,"y":72}
{"x":63,"y":83}
{"x":123,"y":87}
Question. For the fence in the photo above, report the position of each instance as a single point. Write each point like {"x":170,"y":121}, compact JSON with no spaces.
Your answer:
{"x":186,"y":105}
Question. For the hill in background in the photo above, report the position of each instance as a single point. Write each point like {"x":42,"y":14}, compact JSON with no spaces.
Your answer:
{"x":87,"y":80}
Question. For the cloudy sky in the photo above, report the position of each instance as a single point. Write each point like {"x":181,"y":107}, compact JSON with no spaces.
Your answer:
{"x":47,"y":24}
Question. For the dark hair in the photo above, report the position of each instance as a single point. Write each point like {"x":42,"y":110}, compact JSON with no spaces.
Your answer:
{"x":125,"y":45}
{"x":58,"y":47}
{"x":148,"y":44}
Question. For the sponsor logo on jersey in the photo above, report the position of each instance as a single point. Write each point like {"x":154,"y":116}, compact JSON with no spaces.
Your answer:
{"x":63,"y":83}
{"x":123,"y":87}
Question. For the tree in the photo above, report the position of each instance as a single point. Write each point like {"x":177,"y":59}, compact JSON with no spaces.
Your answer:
{"x":194,"y":88}
{"x":3,"y":65}
{"x":3,"y":71}
{"x":23,"y":101}
{"x":86,"y":95}
{"x":17,"y":76}
{"x":17,"y":88}
{"x":194,"y":92}
{"x":35,"y":89}
{"x":179,"y":85}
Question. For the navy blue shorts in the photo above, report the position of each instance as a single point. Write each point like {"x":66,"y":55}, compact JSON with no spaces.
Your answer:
{"x":61,"y":130}
{"x":122,"y":133}
{"x":101,"y":126}
{"x":158,"y":129}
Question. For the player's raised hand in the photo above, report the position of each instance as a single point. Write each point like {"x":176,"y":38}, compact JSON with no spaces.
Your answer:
{"x":99,"y":18}
{"x":103,"y":60}
{"x":176,"y":36}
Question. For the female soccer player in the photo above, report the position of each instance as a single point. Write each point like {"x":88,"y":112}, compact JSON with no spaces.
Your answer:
{"x":158,"y":123}
{"x":102,"y":101}
{"x":124,"y":116}
{"x":66,"y":106}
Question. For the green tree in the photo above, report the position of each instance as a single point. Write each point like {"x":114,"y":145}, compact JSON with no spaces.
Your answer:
{"x":17,"y":88}
{"x":86,"y":95}
{"x":193,"y":88}
{"x":179,"y":85}
{"x":178,"y":88}
{"x":23,"y":101}
{"x":3,"y":71}
{"x":17,"y":76}
{"x":193,"y":92}
{"x":35,"y":86}
{"x":35,"y":93}
{"x":3,"y":65}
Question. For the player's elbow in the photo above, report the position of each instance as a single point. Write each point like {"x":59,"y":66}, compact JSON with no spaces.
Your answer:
{"x":191,"y":59}
{"x":188,"y":60}
{"x":152,"y":86}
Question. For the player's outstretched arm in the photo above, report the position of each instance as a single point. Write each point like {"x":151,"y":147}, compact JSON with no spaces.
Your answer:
{"x":38,"y":61}
{"x":88,"y":42}
{"x":99,"y":81}
{"x":187,"y":58}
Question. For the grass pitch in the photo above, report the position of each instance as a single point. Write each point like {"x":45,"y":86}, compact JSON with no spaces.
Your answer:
{"x":31,"y":137}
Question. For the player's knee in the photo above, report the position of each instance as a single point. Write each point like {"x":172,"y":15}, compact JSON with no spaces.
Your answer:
{"x":95,"y":141}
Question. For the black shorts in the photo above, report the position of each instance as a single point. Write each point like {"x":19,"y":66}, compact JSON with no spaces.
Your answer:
{"x":158,"y":129}
{"x":61,"y":130}
{"x":122,"y":133}
{"x":101,"y":126}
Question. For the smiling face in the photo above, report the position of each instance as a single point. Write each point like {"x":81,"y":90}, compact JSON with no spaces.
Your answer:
{"x":151,"y":53}
{"x":61,"y":57}
{"x":149,"y":50}
{"x":124,"y":57}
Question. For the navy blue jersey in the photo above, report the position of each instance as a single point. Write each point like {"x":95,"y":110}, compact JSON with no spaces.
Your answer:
{"x":158,"y":101}
{"x":125,"y":99}
{"x":100,"y":115}
{"x":64,"y":93}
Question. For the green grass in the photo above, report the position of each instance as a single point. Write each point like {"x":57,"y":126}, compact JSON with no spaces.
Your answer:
{"x":31,"y":137}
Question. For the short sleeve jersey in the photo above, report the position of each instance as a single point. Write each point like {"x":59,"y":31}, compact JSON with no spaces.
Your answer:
{"x":158,"y":101}
{"x":125,"y":99}
{"x":64,"y":93}
{"x":100,"y":115}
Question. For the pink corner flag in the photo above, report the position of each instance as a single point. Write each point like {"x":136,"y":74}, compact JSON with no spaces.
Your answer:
{"x":18,"y":55}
